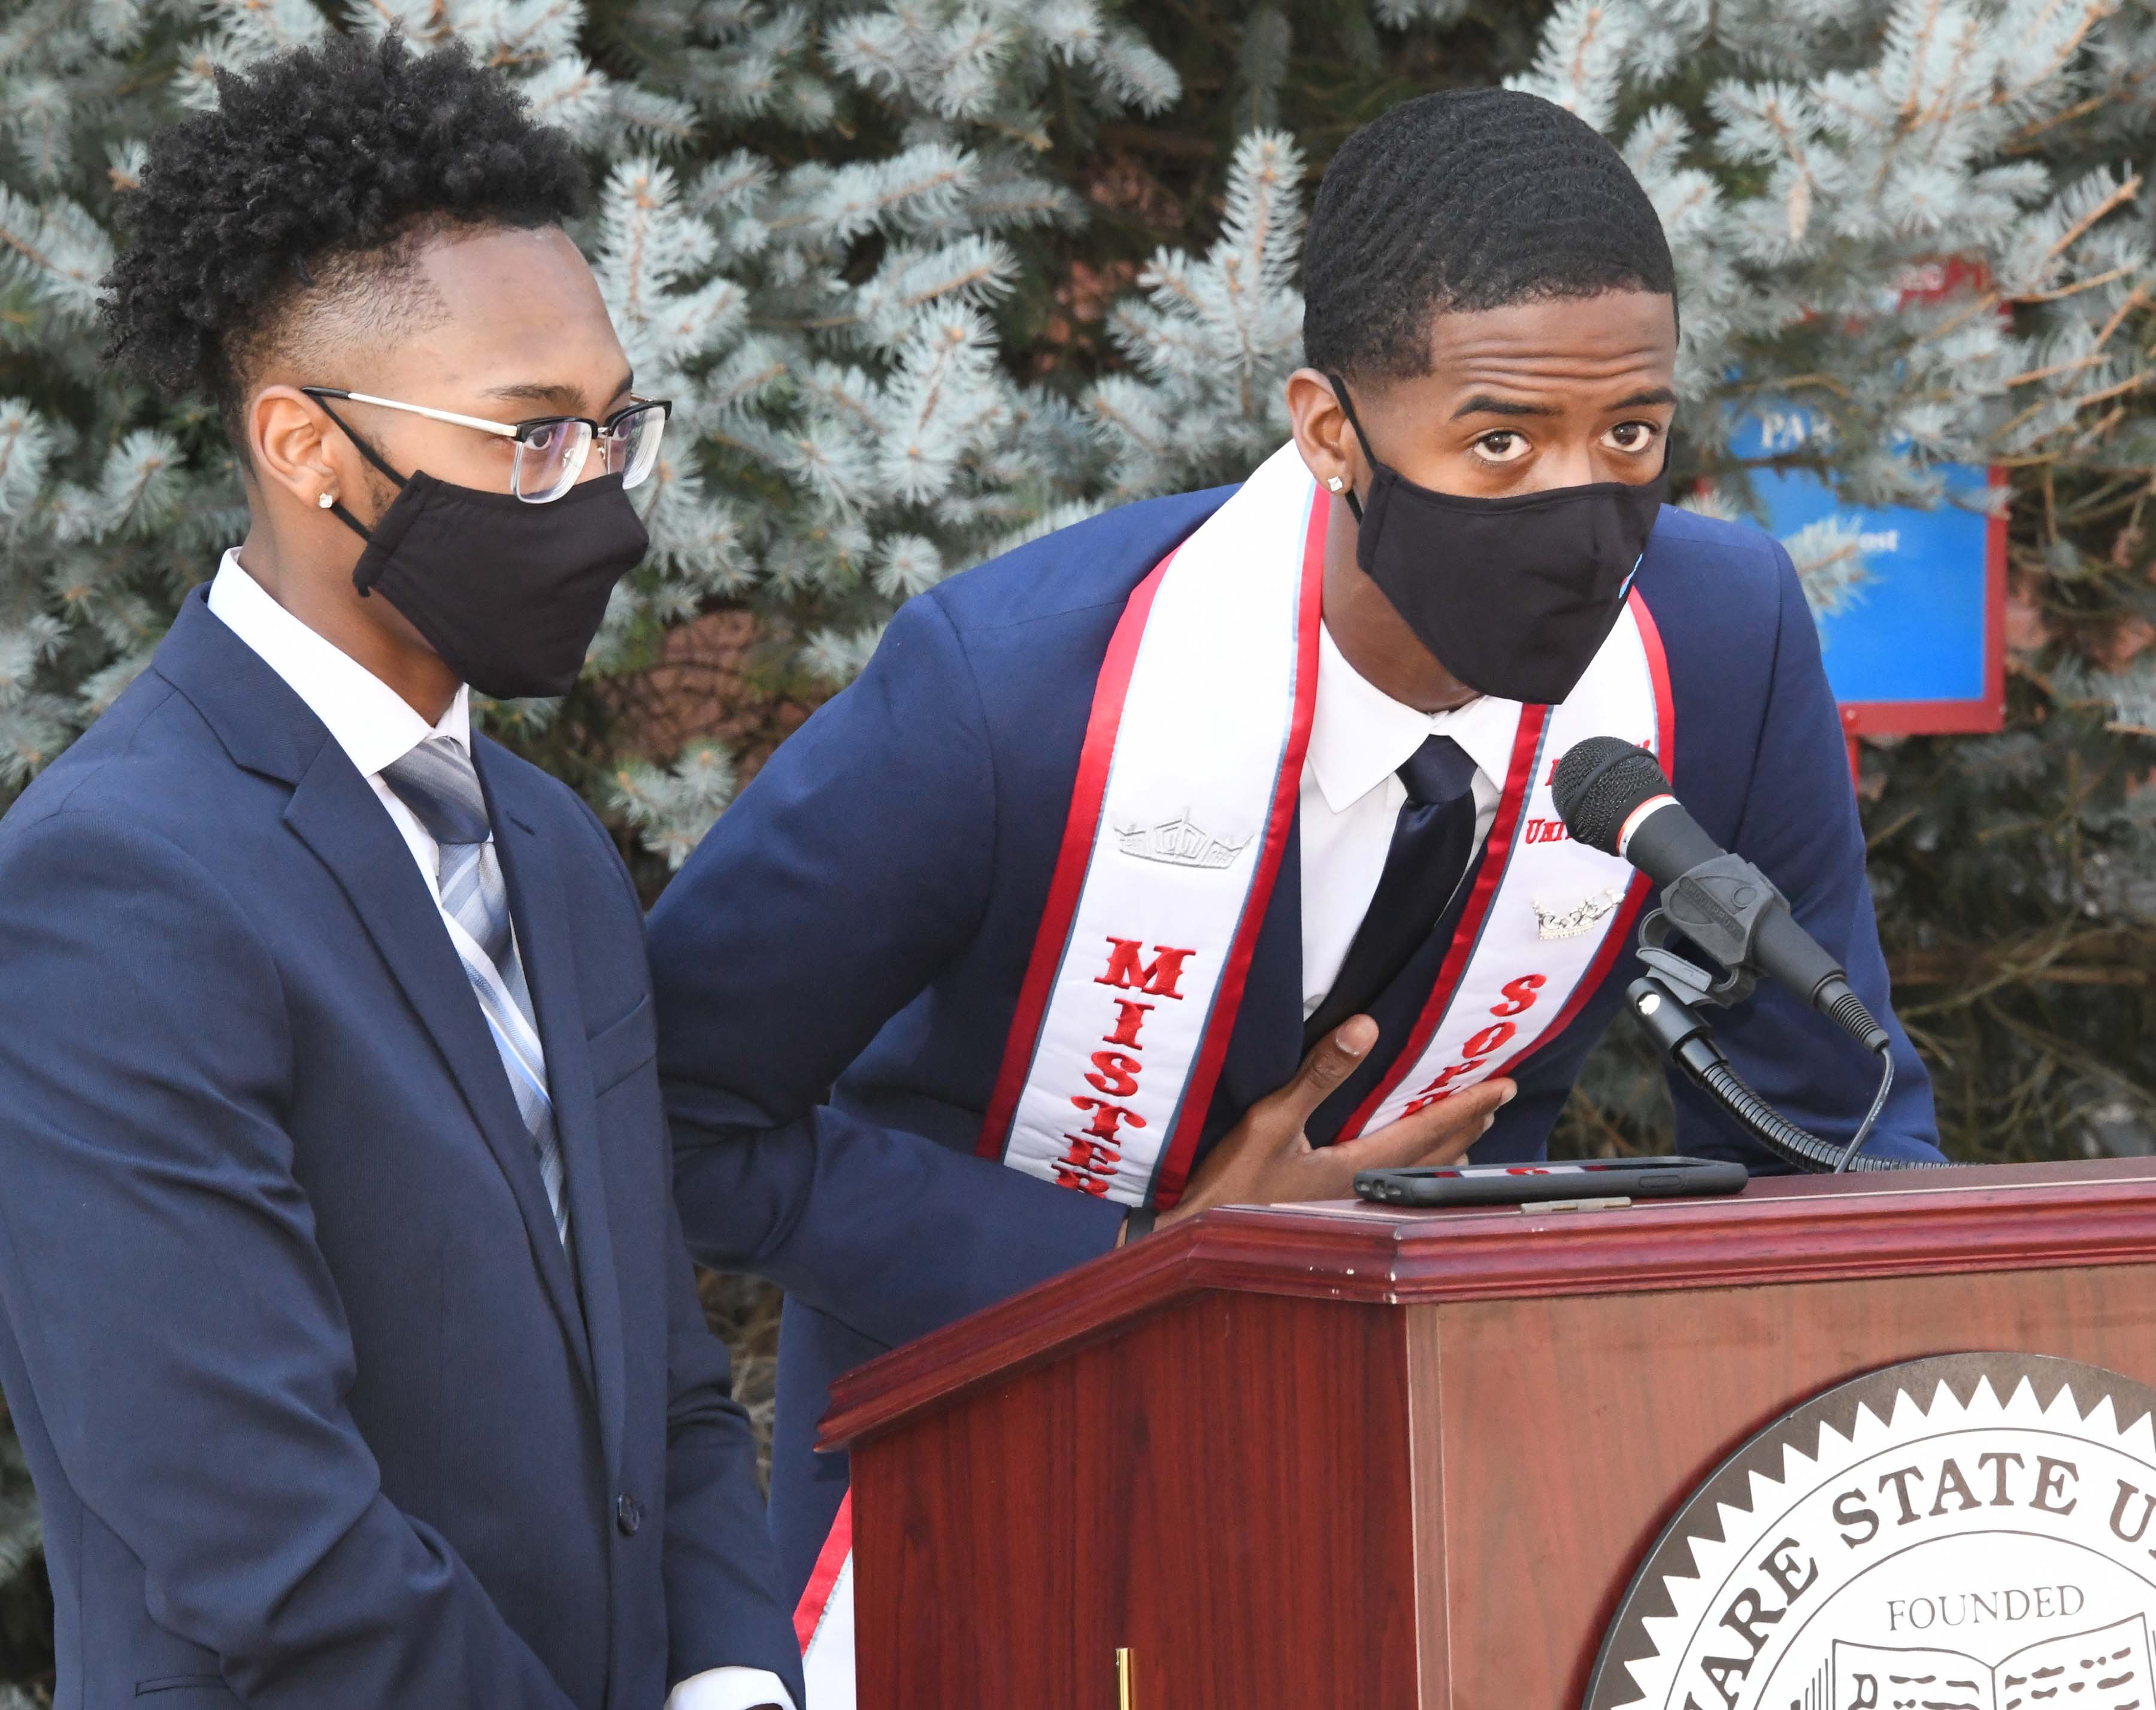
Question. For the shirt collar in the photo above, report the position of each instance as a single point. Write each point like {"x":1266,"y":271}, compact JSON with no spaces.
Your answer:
{"x":372,"y":724}
{"x":1359,"y":735}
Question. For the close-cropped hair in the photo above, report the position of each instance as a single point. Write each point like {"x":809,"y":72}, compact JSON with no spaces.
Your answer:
{"x":285,"y":222}
{"x":1463,"y":200}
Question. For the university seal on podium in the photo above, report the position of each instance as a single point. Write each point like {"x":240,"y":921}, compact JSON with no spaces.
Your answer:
{"x":1975,"y":1532}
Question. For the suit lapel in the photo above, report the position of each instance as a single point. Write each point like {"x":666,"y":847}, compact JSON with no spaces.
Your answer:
{"x":538,"y":904}
{"x":338,"y":817}
{"x":267,"y":729}
{"x":1266,"y":1045}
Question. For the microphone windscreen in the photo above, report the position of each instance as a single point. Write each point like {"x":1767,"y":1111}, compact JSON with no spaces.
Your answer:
{"x":1599,"y":783}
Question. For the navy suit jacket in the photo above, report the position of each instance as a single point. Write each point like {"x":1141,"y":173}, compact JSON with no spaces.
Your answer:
{"x":319,"y":1414}
{"x":837,"y":967}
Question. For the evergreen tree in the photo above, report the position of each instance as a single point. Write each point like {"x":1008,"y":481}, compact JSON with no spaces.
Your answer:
{"x":1806,"y":160}
{"x":927,"y":278}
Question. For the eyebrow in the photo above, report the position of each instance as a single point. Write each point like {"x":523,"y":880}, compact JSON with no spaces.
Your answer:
{"x":560,"y":395}
{"x":1482,"y":404}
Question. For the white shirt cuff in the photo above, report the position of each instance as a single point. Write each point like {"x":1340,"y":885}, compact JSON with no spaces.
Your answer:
{"x":731,"y":1689}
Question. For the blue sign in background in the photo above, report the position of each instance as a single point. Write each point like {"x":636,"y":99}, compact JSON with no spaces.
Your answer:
{"x":1918,"y":628}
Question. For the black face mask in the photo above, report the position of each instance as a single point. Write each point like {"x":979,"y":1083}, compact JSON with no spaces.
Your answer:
{"x":1514,"y":596}
{"x":509,"y":594}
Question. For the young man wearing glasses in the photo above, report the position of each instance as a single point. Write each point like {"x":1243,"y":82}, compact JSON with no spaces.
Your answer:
{"x":344,"y":1313}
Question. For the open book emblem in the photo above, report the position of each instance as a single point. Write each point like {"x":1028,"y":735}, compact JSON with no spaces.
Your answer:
{"x":1971,"y":1532}
{"x":2105,"y":1666}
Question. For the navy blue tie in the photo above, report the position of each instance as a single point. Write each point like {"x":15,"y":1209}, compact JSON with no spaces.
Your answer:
{"x":1433,"y":842}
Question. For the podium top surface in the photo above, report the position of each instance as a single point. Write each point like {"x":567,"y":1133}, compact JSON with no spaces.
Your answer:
{"x":1781,"y":1229}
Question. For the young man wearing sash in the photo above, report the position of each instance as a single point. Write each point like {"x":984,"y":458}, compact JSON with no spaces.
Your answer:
{"x":1012,"y":953}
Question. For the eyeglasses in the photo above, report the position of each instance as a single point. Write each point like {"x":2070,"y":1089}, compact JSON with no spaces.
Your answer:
{"x":551,"y":450}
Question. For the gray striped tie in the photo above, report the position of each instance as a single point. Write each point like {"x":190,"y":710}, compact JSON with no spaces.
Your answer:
{"x":437,"y":782}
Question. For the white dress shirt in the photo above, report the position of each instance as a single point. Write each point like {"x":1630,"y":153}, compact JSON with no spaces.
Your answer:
{"x":376,"y":727}
{"x":369,"y":720}
{"x":1359,"y":737}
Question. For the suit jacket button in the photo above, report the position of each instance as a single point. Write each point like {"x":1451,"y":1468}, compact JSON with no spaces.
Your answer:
{"x":628,"y":1514}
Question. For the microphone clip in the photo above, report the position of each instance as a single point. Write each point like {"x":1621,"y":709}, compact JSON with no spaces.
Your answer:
{"x":1719,"y":906}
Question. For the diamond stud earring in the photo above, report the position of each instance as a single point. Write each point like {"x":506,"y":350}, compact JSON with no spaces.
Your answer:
{"x":326,"y":501}
{"x":1333,"y":483}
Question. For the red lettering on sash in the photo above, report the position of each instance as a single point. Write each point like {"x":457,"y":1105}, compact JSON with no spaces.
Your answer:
{"x":1520,"y":996}
{"x":1115,"y":1073}
{"x":1157,"y":978}
{"x":1546,"y":831}
{"x":1130,"y":1016}
{"x":1522,"y":992}
{"x":1096,"y":1185}
{"x":1488,"y":1040}
{"x":1091,"y":1155}
{"x":1107,"y":1116}
{"x":1091,"y":1163}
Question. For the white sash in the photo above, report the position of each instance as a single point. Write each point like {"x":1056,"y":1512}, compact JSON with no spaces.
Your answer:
{"x":824,"y":1619}
{"x":1186,"y":791}
{"x":1185,"y":795}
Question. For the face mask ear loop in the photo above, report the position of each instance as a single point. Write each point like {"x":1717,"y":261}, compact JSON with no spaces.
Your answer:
{"x":373,"y":456}
{"x":1362,"y":439}
{"x":353,"y":523}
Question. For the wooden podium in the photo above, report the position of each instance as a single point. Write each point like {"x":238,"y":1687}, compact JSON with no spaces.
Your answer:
{"x":1300,"y":1458}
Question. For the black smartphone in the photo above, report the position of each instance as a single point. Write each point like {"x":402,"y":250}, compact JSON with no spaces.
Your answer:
{"x":1526,"y":1184}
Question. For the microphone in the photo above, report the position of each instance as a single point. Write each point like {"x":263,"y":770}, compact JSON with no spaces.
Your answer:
{"x":1615,"y":797}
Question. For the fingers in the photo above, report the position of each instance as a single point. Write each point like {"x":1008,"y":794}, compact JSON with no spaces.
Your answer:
{"x":1448,"y":1144}
{"x":1331,"y":1060}
{"x":1439,"y":1133}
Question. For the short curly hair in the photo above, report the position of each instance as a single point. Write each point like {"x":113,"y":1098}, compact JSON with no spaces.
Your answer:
{"x":1467,"y":200}
{"x":289,"y":218}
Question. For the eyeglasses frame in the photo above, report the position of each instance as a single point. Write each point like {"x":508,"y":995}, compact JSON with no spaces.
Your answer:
{"x":521,"y":432}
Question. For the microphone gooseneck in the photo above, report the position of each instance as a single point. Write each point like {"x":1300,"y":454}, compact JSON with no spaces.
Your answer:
{"x":1727,"y":1089}
{"x":1614,"y":796}
{"x":1686,"y":1040}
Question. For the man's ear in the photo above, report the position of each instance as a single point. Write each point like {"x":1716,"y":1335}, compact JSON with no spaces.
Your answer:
{"x":294,"y":445}
{"x":1322,"y":434}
